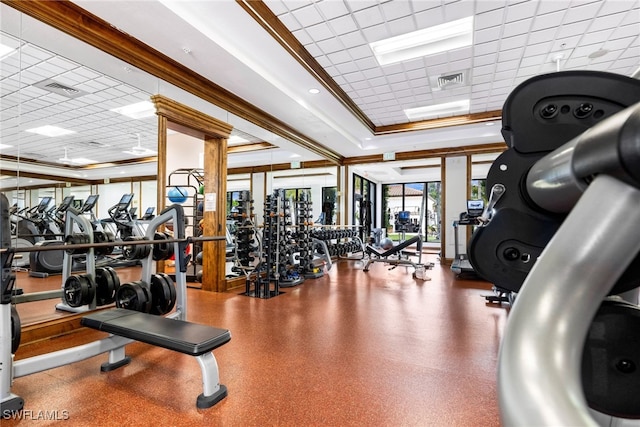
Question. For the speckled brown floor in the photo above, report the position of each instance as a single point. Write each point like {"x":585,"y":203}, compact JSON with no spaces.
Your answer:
{"x":350,"y":348}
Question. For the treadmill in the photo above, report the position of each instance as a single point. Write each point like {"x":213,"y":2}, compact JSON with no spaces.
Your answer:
{"x":461,"y":264}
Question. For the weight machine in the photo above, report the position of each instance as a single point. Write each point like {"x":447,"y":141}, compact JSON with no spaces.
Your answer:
{"x":560,"y":228}
{"x":399,"y":254}
{"x":125,"y":326}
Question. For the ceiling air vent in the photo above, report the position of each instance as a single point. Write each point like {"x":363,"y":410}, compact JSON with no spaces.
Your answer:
{"x":60,"y":89}
{"x":449,"y":81}
{"x":456,"y":79}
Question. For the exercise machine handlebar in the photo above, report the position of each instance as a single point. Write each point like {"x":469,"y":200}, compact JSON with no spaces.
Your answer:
{"x":595,"y":178}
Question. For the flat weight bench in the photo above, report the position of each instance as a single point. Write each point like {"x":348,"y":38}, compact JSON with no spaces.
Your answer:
{"x":376,"y":255}
{"x":178,"y":335}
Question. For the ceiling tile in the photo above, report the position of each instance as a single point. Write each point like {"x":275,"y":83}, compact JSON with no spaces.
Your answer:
{"x":328,"y":46}
{"x":458,"y":10}
{"x":488,"y":19}
{"x":356,"y":5}
{"x":307,"y":16}
{"x":484,"y":69}
{"x":507,"y":65}
{"x":401,"y":26}
{"x":596,"y":38}
{"x":368,"y":17}
{"x":332,"y":8}
{"x":366,"y":63}
{"x":346,"y":67}
{"x":537,"y":49}
{"x":552,"y":6}
{"x":487,"y":35}
{"x":485,"y":48}
{"x":375,"y":33}
{"x":352,"y":39}
{"x":343,"y":25}
{"x":517,"y":27}
{"x":549,"y":20}
{"x":396,"y":9}
{"x":523,"y":10}
{"x":360,"y":52}
{"x":290,"y":22}
{"x":510,"y":43}
{"x":429,"y":18}
{"x":339,"y":57}
{"x":582,"y":12}
{"x":607,"y":22}
{"x":486,"y":5}
{"x":320,"y":32}
{"x":541,"y":36}
{"x":303,"y":37}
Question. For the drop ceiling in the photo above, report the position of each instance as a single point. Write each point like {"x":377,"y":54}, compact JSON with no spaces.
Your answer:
{"x":222,"y":41}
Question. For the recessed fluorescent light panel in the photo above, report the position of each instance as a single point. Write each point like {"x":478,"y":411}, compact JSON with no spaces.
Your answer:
{"x":3,"y":146}
{"x":50,"y":131}
{"x":139,"y":110}
{"x":82,"y":161}
{"x":438,"y":110}
{"x":428,"y":41}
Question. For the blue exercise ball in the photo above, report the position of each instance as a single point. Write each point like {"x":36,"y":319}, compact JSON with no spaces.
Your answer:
{"x":386,"y":243}
{"x":177,"y":194}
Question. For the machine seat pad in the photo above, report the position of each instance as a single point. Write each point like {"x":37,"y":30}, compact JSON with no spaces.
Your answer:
{"x":394,"y":250}
{"x":178,"y":335}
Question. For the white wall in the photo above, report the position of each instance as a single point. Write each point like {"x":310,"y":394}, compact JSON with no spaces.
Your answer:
{"x":455,"y":198}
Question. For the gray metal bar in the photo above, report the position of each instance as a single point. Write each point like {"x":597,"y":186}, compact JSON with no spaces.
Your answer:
{"x":540,"y":358}
{"x":47,"y":361}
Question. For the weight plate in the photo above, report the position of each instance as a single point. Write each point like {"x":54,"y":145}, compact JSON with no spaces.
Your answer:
{"x":105,"y":286}
{"x":134,"y":252}
{"x":163,"y":294}
{"x":79,"y":290}
{"x":133,"y":296}
{"x":162,"y":251}
{"x":77,"y":239}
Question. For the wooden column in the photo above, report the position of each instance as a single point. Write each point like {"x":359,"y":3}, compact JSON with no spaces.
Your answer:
{"x":215,"y":220}
{"x":214,"y":133}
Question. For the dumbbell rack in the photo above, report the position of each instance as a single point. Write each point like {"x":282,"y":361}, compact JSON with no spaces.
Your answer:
{"x":266,"y":272}
{"x":245,"y":237}
{"x":305,"y":244}
{"x":288,"y":273}
{"x":339,"y":242}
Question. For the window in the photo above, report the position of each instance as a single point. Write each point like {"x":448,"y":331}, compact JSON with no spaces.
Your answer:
{"x":422,"y":201}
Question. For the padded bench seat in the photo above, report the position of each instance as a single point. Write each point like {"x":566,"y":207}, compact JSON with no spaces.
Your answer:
{"x":185,"y":337}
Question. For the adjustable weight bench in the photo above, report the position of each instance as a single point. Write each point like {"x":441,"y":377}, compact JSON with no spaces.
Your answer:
{"x":375,"y":255}
{"x":177,"y":335}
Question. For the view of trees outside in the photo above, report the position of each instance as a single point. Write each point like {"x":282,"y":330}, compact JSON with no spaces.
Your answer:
{"x":410,"y":197}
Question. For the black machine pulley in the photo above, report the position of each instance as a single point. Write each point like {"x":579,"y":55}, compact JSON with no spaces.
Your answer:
{"x":134,"y":296}
{"x":135,"y":252}
{"x":79,"y":290}
{"x":539,"y":116}
{"x":16,"y":329}
{"x":107,"y":284}
{"x":163,"y":294}
{"x":611,"y":361}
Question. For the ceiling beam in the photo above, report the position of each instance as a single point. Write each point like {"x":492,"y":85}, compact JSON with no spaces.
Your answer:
{"x":436,"y":152}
